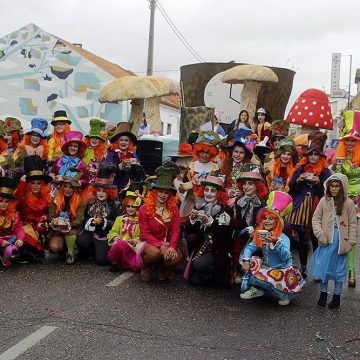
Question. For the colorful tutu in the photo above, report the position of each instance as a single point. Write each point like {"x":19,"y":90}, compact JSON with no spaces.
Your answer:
{"x":127,"y":256}
{"x":286,"y":282}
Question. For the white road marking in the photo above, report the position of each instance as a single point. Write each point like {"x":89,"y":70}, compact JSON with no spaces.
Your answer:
{"x":27,"y":343}
{"x":120,"y":279}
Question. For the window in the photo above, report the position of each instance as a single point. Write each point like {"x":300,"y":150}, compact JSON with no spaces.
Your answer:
{"x":168,"y":130}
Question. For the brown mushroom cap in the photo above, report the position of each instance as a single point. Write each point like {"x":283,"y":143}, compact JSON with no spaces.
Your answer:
{"x":137,"y":87}
{"x":243,"y":73}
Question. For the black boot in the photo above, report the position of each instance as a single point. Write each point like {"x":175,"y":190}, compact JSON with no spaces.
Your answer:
{"x":322,"y":299}
{"x":335,"y":302}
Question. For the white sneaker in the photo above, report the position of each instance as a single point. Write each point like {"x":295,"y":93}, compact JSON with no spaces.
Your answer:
{"x":284,"y":302}
{"x":253,"y":292}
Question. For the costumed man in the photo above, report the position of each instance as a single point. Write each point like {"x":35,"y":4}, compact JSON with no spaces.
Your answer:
{"x":276,"y":272}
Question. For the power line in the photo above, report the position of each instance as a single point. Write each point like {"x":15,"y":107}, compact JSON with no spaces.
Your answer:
{"x":178,"y":33}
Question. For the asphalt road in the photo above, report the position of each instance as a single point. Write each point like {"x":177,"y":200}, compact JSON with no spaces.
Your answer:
{"x":163,"y":320}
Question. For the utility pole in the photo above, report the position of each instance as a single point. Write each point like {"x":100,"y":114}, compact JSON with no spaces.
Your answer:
{"x":149,"y":69}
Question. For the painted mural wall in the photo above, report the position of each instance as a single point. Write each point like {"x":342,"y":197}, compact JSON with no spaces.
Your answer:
{"x":39,"y":75}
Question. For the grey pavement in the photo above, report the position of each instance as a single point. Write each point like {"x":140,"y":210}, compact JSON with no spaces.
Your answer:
{"x":166,"y":320}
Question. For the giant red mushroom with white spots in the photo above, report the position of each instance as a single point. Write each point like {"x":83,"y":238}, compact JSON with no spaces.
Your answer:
{"x":311,"y":110}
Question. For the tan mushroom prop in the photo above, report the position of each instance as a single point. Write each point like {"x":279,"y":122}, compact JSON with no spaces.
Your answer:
{"x":311,"y":110}
{"x":137,"y":88}
{"x":252,"y":76}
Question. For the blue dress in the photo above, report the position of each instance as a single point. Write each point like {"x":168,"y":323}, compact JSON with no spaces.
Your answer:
{"x":326,"y":264}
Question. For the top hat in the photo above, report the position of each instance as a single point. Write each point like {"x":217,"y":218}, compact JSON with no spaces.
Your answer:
{"x":165,"y":178}
{"x":278,"y":203}
{"x":60,"y":115}
{"x":250,"y":172}
{"x":287,"y":144}
{"x":74,"y":136}
{"x":208,"y":137}
{"x":123,"y":129}
{"x":38,"y":126}
{"x":97,"y":129}
{"x":214,"y":181}
{"x":13,"y":124}
{"x":279,"y":128}
{"x":7,"y":187}
{"x":352,"y":125}
{"x":105,"y":177}
{"x":316,"y":141}
{"x":34,"y":169}
{"x":72,"y":176}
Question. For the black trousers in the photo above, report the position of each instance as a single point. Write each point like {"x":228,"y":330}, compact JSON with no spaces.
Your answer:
{"x":90,"y":247}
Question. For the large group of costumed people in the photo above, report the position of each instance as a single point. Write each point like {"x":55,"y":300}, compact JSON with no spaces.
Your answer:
{"x":225,"y":210}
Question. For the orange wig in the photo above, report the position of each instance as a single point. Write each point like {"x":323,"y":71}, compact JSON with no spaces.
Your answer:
{"x":99,"y":151}
{"x":262,"y":190}
{"x":3,"y":144}
{"x":59,"y":140}
{"x":9,"y":213}
{"x":290,"y":168}
{"x":318,"y":168}
{"x":212,"y":150}
{"x":150,"y":203}
{"x":355,"y":155}
{"x":27,"y":141}
{"x":276,"y":231}
{"x":74,"y":202}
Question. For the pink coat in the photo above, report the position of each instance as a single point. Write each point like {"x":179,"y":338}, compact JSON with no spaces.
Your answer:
{"x":155,"y":232}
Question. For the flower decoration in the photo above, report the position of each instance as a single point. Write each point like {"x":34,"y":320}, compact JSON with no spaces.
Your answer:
{"x":276,"y":274}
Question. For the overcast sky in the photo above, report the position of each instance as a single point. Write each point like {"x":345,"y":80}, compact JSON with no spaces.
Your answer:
{"x":299,"y":35}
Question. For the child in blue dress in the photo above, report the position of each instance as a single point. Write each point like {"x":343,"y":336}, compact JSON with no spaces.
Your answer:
{"x":334,"y":225}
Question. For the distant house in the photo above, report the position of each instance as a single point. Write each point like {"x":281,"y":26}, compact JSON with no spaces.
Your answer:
{"x":41,"y":73}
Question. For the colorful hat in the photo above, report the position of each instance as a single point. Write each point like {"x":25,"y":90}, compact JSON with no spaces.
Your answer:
{"x":123,"y":129}
{"x":97,"y":129}
{"x":72,"y":176}
{"x":352,"y":125}
{"x":279,"y":128}
{"x":73,"y":136}
{"x":208,"y":137}
{"x":317,"y":141}
{"x":3,"y":129}
{"x":38,"y":126}
{"x":214,"y":181}
{"x":243,"y":137}
{"x":7,"y":187}
{"x":165,"y":177}
{"x":13,"y":124}
{"x":105,"y":177}
{"x":287,"y":144}
{"x":137,"y":198}
{"x":250,"y":172}
{"x":60,"y":115}
{"x":278,"y":203}
{"x":312,"y":108}
{"x":34,"y":169}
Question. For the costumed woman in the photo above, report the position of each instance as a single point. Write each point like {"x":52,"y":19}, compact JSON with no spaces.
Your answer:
{"x":306,"y":188}
{"x":13,"y":130}
{"x":73,"y":151}
{"x":262,"y":124}
{"x":11,"y":231}
{"x":253,"y":195}
{"x":237,"y":153}
{"x":348,"y":163}
{"x":96,"y":150}
{"x":209,"y":235}
{"x":33,"y":143}
{"x":124,"y":237}
{"x":7,"y":165}
{"x":282,"y":168}
{"x":33,"y":195}
{"x":100,"y":215}
{"x":335,"y":226}
{"x":122,"y":154}
{"x":159,"y":221}
{"x":66,"y":215}
{"x":61,"y":124}
{"x":276,"y":272}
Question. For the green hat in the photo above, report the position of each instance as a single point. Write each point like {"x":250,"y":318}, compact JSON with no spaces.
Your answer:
{"x":288,"y":144}
{"x":97,"y":129}
{"x":208,"y":137}
{"x":72,"y":176}
{"x":279,"y":128}
{"x":13,"y":124}
{"x":165,"y":177}
{"x":3,"y":129}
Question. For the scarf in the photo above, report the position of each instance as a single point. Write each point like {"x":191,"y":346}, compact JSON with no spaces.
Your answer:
{"x":210,"y":208}
{"x":67,"y":162}
{"x":247,"y":205}
{"x":98,"y":209}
